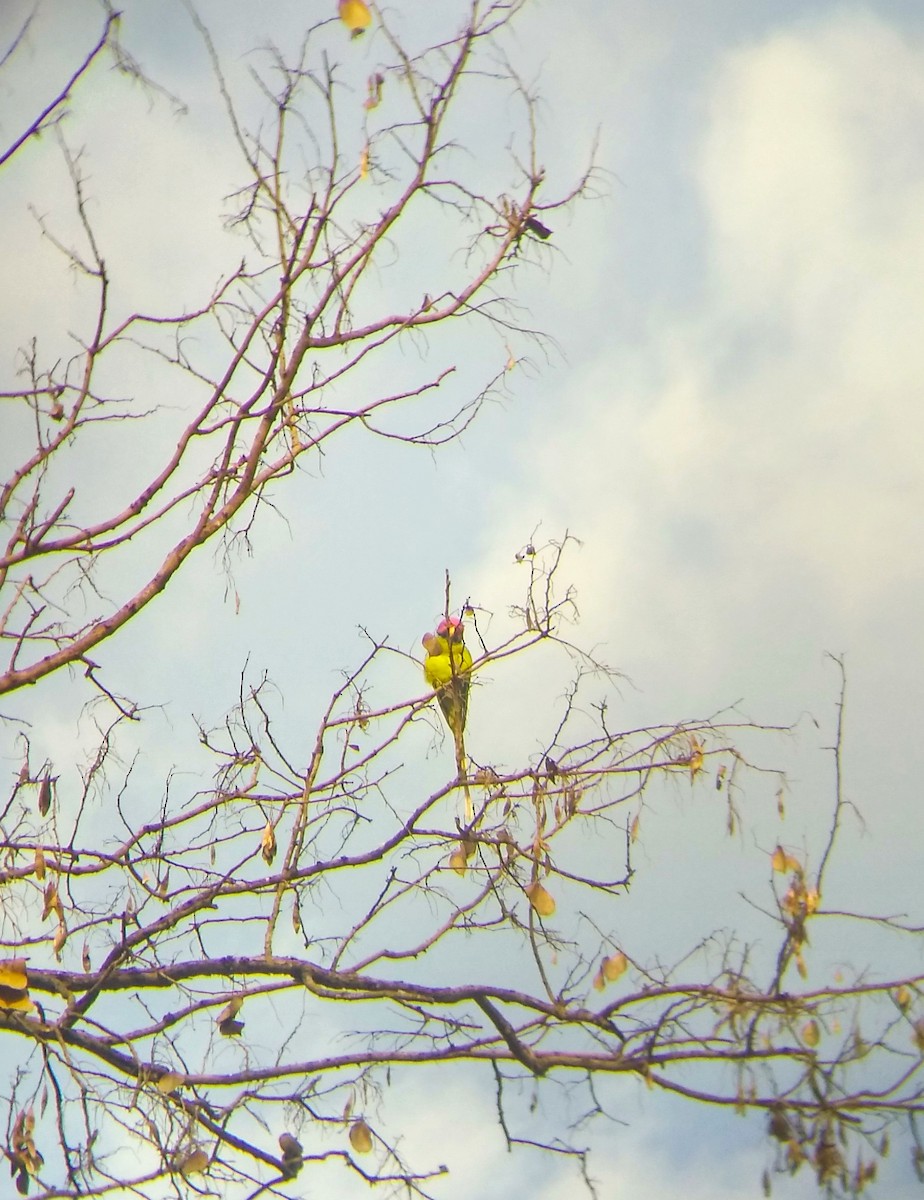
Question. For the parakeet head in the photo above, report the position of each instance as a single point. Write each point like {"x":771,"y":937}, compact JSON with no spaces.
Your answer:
{"x":451,"y":628}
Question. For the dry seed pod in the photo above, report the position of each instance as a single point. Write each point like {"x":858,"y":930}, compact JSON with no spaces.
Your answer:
{"x":360,"y":1137}
{"x":292,"y":1154}
{"x":44,"y":797}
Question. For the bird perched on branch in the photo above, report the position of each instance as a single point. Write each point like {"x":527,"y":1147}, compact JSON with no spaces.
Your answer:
{"x":447,"y":669}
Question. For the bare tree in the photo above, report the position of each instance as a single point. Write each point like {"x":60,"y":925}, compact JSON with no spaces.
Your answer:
{"x":330,"y":197}
{"x":159,"y":977}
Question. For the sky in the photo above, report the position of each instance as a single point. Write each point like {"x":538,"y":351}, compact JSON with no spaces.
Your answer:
{"x":728,"y":418}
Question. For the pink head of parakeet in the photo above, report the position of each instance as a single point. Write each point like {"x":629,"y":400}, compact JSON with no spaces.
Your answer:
{"x":451,"y":628}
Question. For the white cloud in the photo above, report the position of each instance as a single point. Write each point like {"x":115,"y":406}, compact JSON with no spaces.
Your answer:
{"x":762,"y":450}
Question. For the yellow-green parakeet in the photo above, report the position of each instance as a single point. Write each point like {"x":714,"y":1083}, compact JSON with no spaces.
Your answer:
{"x":447,"y":669}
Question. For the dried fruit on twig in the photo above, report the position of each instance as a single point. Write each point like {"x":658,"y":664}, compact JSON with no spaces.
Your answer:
{"x":292,"y":1154}
{"x":360,"y":1137}
{"x":355,"y":15}
{"x":810,"y":1034}
{"x":192,"y":1161}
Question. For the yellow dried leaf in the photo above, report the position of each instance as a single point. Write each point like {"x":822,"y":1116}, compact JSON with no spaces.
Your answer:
{"x":13,"y":973}
{"x":52,"y":903}
{"x":169,"y":1082}
{"x":800,"y":966}
{"x":539,"y":898}
{"x":633,"y":832}
{"x":599,"y":982}
{"x":810,"y":1034}
{"x":799,"y":903}
{"x":783,"y":863}
{"x":360,"y":1137}
{"x":364,"y":162}
{"x":39,"y":863}
{"x":902,"y":997}
{"x":614,"y":966}
{"x":25,"y":1159}
{"x":59,"y":939}
{"x":24,"y":1127}
{"x":457,"y":861}
{"x":15,"y":999}
{"x":355,"y":15}
{"x":919,"y":1034}
{"x":268,"y":844}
